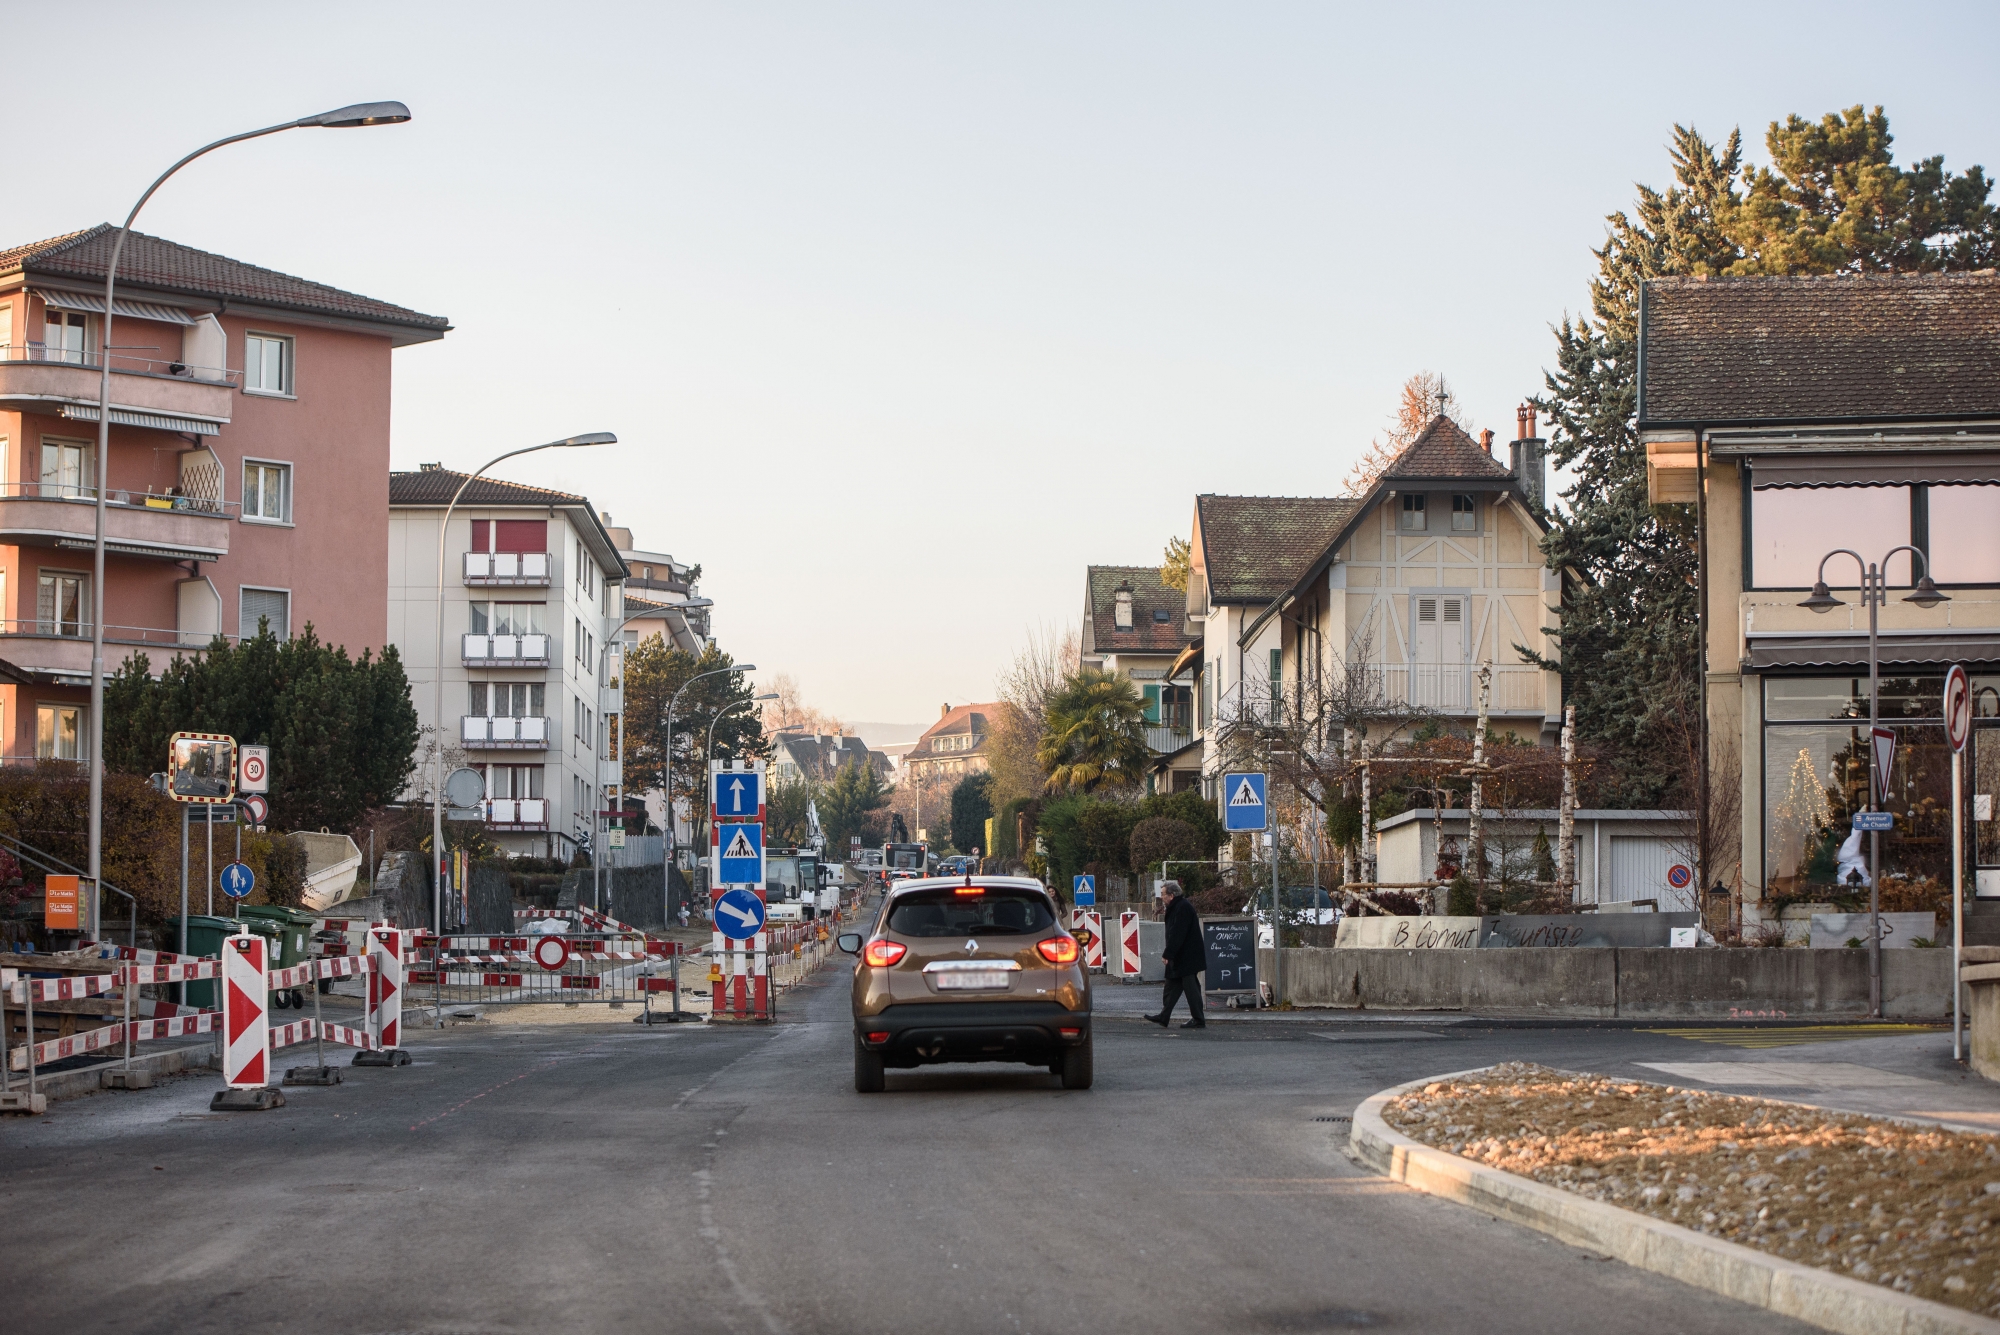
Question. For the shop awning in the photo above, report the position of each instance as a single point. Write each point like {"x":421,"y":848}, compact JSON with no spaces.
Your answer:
{"x":131,"y":310}
{"x":1940,"y":469}
{"x":1851,"y":651}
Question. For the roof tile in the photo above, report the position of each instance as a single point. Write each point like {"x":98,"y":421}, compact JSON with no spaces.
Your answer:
{"x":1253,"y":547}
{"x":1444,"y":451}
{"x":1149,"y":595}
{"x":435,"y":486}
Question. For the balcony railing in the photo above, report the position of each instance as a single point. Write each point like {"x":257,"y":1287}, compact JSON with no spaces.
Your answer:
{"x":507,"y":568}
{"x":122,"y":361}
{"x":517,"y":813}
{"x":504,"y":734}
{"x":1454,"y":689}
{"x":506,"y":651}
{"x":173,"y":501}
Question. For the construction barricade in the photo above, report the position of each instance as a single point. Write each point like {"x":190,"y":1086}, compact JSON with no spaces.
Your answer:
{"x":1087,"y":926}
{"x":1129,"y":964}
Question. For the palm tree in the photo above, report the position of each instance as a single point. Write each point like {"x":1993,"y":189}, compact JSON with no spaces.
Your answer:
{"x":1095,"y":734}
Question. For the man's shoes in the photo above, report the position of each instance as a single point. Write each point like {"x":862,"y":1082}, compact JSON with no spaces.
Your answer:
{"x":1160,"y":1020}
{"x":1194,"y":1024}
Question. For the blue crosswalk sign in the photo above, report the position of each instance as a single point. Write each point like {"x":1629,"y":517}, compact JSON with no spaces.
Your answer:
{"x":1083,"y":889}
{"x":739,"y":914}
{"x":737,"y":792}
{"x":1243,"y":802}
{"x":739,"y":854}
{"x":237,"y":880}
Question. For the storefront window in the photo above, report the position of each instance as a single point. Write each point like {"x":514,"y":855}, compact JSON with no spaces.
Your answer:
{"x":1816,"y":778}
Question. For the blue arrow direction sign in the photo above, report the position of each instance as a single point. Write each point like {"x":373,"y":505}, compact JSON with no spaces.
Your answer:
{"x":738,"y":793}
{"x":1874,"y":820}
{"x":1083,"y":890}
{"x":739,"y":854}
{"x":739,"y":914}
{"x":237,"y":880}
{"x":1243,"y":802}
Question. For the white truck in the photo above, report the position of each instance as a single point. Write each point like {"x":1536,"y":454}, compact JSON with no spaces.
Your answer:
{"x":794,"y":890}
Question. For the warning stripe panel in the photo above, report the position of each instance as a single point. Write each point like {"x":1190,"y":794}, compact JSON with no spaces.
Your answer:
{"x":584,"y":982}
{"x":299,"y":1031}
{"x":113,"y":1036}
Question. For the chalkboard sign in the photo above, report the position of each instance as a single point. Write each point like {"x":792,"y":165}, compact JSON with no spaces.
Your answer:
{"x":1231,"y":945}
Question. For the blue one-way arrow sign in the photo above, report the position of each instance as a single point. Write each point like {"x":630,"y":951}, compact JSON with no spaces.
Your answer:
{"x":1243,"y":802}
{"x":738,"y":793}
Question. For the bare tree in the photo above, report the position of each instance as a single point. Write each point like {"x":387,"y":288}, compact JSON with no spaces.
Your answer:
{"x":1425,"y":396}
{"x":790,"y":710}
{"x":1048,"y":659}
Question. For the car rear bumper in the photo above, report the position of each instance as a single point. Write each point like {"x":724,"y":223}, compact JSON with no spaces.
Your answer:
{"x":973,"y":1031}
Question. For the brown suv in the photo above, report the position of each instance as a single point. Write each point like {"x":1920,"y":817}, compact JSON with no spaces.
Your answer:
{"x":969,"y":970}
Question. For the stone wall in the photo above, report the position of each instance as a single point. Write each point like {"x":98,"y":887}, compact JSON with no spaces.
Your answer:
{"x":1588,"y":981}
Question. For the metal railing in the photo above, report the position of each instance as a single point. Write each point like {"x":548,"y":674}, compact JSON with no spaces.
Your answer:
{"x":1450,"y":687}
{"x":509,"y":650}
{"x":479,"y":730}
{"x":507,"y":567}
{"x":122,"y":361}
{"x":59,"y":629}
{"x":173,"y":500}
{"x":517,"y":813}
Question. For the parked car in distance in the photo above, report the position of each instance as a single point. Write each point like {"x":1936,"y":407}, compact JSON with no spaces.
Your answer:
{"x":969,"y":971}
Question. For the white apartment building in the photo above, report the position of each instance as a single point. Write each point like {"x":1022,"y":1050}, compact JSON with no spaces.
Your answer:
{"x":532,"y":598}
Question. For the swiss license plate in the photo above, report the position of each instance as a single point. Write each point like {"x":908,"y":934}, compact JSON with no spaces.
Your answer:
{"x":972,"y":980}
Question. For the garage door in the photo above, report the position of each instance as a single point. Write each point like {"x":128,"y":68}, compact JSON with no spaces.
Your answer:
{"x":1639,"y":867}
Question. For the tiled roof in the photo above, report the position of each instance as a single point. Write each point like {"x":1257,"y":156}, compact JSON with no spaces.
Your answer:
{"x":435,"y":486}
{"x":168,"y":266}
{"x":1744,"y":350}
{"x":963,"y":719}
{"x":1444,"y":451}
{"x":1149,"y":596}
{"x":1253,"y":547}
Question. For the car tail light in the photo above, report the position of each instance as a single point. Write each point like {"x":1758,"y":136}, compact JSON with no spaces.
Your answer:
{"x":879,"y":1036}
{"x":970,"y":890}
{"x":1070,"y":1033}
{"x":881,"y":954}
{"x":1058,"y":949}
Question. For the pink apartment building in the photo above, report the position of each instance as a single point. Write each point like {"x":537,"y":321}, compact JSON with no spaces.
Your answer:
{"x":248,"y":475}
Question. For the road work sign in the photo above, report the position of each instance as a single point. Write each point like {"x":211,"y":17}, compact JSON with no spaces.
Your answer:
{"x":739,"y":914}
{"x":739,"y":854}
{"x":738,"y":793}
{"x":1243,"y":802}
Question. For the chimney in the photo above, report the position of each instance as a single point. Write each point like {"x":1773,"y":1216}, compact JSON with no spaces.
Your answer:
{"x":1121,"y":612}
{"x":1529,"y":457}
{"x":1486,"y":441}
{"x":943,"y":710}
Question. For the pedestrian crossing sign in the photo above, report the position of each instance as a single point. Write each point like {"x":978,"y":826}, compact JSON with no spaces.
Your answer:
{"x":1243,"y":801}
{"x":739,"y":854}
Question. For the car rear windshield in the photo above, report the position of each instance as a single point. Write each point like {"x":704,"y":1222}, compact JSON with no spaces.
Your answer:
{"x":950,"y":912}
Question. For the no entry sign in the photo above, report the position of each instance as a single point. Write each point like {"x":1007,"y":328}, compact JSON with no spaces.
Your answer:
{"x":551,"y":952}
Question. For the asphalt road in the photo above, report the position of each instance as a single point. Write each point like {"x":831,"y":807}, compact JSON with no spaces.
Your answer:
{"x":602,"y":1177}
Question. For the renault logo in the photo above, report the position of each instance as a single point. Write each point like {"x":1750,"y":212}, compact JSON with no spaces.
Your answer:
{"x":971,"y":946}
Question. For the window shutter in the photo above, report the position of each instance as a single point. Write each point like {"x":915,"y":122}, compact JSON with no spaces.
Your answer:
{"x":1452,"y":609}
{"x":271,"y":604}
{"x":520,"y":535}
{"x":479,"y":531}
{"x":1427,"y":609}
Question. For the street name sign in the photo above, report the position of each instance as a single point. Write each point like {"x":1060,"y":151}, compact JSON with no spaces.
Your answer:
{"x":1083,"y":889}
{"x":1243,"y":802}
{"x":739,"y":914}
{"x":739,"y":854}
{"x":1874,"y":820}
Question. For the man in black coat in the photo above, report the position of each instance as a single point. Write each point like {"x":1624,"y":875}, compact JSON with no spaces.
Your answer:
{"x":1185,"y":957}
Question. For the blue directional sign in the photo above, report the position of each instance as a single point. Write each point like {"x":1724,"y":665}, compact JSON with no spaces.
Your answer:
{"x":739,"y":854}
{"x":237,"y":880}
{"x":737,"y":793}
{"x":739,"y":914}
{"x":1083,"y":890}
{"x":1243,"y":802}
{"x":1874,"y":820}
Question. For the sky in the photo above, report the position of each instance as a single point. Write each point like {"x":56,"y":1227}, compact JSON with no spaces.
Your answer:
{"x":904,"y":313}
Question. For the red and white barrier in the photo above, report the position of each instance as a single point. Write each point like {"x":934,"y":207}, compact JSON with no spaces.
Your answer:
{"x":385,"y":985}
{"x":742,"y":983}
{"x":299,"y":1031}
{"x":112,"y":1036}
{"x":1128,"y":944}
{"x":246,"y":1041}
{"x":1087,"y":926}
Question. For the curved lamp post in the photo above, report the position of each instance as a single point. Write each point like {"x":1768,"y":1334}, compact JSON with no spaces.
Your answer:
{"x":1874,"y":595}
{"x":346,"y":118}
{"x":437,"y":691}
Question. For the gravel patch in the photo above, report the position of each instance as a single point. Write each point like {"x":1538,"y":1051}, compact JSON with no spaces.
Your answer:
{"x":1913,"y":1208}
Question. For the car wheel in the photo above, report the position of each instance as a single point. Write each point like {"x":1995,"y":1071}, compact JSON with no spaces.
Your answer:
{"x":280,"y":1000}
{"x":868,"y":1077}
{"x":298,"y":998}
{"x":1075,"y":1071}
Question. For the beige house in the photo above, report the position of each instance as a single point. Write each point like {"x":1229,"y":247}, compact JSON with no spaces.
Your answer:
{"x":1136,"y":626}
{"x":1436,"y":570}
{"x":1800,"y":416}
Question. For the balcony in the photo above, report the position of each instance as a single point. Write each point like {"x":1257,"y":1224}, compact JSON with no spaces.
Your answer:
{"x":160,"y":528}
{"x":505,"y":651}
{"x":61,"y":654}
{"x":477,"y":733}
{"x":488,"y":569}
{"x":1452,"y":689}
{"x":161,"y":395}
{"x":517,"y":813}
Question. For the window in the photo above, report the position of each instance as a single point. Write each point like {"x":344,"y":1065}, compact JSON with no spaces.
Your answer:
{"x":1464,"y":514}
{"x":267,"y":492}
{"x":1969,"y":517}
{"x":1413,"y":513}
{"x":65,"y":336}
{"x":267,"y":364}
{"x":646,"y":573}
{"x":1277,"y":686}
{"x":6,"y":328}
{"x":62,"y":604}
{"x":515,"y":782}
{"x":264,"y":605}
{"x":507,"y":699}
{"x":1791,"y":528}
{"x":1153,"y":705}
{"x":59,"y":732}
{"x":506,"y":618}
{"x":69,"y":468}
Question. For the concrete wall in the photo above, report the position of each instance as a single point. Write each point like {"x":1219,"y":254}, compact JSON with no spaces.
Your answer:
{"x":1589,"y":981}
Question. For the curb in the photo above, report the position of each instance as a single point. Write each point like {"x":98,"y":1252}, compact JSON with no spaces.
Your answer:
{"x":89,"y":1079}
{"x":1817,"y":1297}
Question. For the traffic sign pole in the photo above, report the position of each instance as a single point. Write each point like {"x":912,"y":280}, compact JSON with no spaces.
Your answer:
{"x":1958,"y":731}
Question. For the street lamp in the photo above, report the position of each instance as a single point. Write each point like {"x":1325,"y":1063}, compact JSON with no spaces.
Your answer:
{"x":1874,"y":595}
{"x":667,"y":762}
{"x":437,"y":689}
{"x":360,"y":114}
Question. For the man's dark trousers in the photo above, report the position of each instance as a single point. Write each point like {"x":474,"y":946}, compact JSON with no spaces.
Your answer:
{"x":1191,"y":986}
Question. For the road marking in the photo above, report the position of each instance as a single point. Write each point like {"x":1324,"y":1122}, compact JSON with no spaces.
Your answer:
{"x":1381,"y":1037}
{"x":1789,"y":1037}
{"x":1809,"y":1075}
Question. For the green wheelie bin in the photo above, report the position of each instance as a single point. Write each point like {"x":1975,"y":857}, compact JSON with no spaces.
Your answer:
{"x":204,"y":939}
{"x":294,"y":946}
